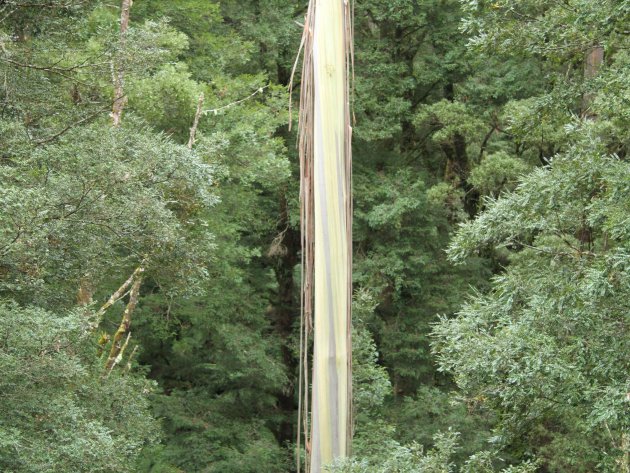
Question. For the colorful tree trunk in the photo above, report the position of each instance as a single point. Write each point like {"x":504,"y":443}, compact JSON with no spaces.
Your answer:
{"x":327,"y":218}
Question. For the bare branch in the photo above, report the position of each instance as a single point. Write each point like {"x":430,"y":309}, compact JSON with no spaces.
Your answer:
{"x":193,"y":129}
{"x":119,"y":294}
{"x":119,"y":357}
{"x":69,"y":127}
{"x":53,"y":68}
{"x":118,"y":345}
{"x":216,"y":110}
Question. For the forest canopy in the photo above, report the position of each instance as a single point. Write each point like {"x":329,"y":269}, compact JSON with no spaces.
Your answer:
{"x":150,"y":246}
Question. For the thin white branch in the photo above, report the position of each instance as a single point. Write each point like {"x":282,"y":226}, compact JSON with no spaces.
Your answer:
{"x":249,"y":97}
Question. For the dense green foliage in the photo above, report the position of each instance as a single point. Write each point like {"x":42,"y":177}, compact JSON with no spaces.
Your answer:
{"x":546,"y":347}
{"x":61,"y":416}
{"x":491,"y":236}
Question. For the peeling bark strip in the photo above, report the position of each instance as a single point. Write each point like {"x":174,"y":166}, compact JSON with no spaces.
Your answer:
{"x":305,"y":142}
{"x":325,"y":155}
{"x":118,"y":345}
{"x":118,"y":69}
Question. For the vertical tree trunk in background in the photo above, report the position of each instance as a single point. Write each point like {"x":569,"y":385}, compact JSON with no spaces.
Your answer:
{"x":457,"y":163}
{"x":592,"y":63}
{"x":118,"y":69}
{"x":284,"y":256}
{"x":325,"y":150}
{"x":85,"y":291}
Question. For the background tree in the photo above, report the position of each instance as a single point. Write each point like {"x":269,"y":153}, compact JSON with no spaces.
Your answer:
{"x":82,"y":205}
{"x":544,"y":348}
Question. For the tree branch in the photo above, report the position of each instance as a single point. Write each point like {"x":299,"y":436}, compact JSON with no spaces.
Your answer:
{"x":193,"y":129}
{"x":117,"y":344}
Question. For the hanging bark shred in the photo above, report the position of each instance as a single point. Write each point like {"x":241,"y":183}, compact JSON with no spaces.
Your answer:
{"x":305,"y":143}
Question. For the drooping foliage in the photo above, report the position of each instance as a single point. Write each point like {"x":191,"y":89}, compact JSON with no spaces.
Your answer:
{"x":546,"y":348}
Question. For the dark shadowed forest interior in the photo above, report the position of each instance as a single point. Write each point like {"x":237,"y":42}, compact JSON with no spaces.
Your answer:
{"x":150,"y":245}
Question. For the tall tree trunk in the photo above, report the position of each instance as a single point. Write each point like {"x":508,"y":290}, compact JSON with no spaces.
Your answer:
{"x":284,"y":256}
{"x":118,"y":69}
{"x":325,"y":149}
{"x":592,"y":63}
{"x":457,"y":165}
